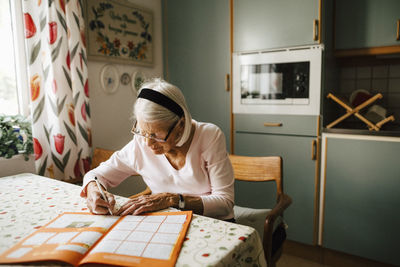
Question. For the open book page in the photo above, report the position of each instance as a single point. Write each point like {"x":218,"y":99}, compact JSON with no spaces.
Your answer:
{"x":152,"y":239}
{"x":67,"y":238}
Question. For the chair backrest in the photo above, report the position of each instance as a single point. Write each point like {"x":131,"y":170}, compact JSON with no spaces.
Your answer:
{"x":100,"y":155}
{"x":258,"y":169}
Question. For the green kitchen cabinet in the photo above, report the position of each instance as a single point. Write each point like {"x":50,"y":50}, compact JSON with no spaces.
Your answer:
{"x":267,"y":24}
{"x":362,"y":198}
{"x":366,"y":23}
{"x":197,"y":56}
{"x":299,"y":168}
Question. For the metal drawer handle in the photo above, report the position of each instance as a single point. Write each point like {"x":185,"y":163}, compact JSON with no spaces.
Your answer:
{"x":398,"y":30}
{"x":273,"y":124}
{"x":315,"y":30}
{"x":314,"y":149}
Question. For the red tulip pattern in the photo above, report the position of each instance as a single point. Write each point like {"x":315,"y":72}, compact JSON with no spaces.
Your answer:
{"x":54,"y":86}
{"x":71,"y":114}
{"x":86,"y":164}
{"x":35,"y":87}
{"x":68,"y":60}
{"x":59,"y":142}
{"x":30,"y":28}
{"x":62,"y":5}
{"x":52,"y":32}
{"x":86,"y":88}
{"x":77,"y":170}
{"x":37,"y":148}
{"x":83,"y":110}
{"x":52,"y":89}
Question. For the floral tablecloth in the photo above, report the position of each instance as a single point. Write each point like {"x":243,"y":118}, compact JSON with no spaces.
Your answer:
{"x":28,"y":201}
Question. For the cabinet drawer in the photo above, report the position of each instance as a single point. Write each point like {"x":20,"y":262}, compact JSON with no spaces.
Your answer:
{"x":277,"y":124}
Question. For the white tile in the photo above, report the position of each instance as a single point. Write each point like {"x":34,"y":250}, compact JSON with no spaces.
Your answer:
{"x":393,"y":100}
{"x":364,"y":72}
{"x":380,"y":71}
{"x":347,"y":86}
{"x":348,"y":73}
{"x":363,"y":84}
{"x":379,"y":86}
{"x":394,"y":86}
{"x":394,"y":71}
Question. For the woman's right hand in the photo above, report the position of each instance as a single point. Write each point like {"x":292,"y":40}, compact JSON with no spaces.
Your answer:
{"x":95,"y":202}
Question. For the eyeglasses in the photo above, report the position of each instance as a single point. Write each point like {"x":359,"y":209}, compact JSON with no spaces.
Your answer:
{"x":139,"y":132}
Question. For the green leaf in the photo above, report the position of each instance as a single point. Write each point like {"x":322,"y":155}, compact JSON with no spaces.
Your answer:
{"x":38,"y":110}
{"x":57,"y":162}
{"x":80,"y":75}
{"x":76,"y":20}
{"x":56,"y":51}
{"x":66,"y":73}
{"x":35,"y":52}
{"x":53,"y":106}
{"x":62,"y":20}
{"x":84,"y":56}
{"x":70,"y":133}
{"x":47,"y":133}
{"x":87,"y":107}
{"x":46,"y":73}
{"x":76,"y":98}
{"x":83,"y":132}
{"x":42,"y":169}
{"x":60,"y":106}
{"x":66,"y":157}
{"x":42,"y":23}
{"x":73,"y":52}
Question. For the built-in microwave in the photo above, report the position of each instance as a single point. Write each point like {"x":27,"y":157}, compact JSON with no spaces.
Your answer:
{"x":282,"y":81}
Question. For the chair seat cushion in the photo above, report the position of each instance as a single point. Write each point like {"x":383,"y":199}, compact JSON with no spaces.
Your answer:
{"x":251,"y":217}
{"x":254,"y":218}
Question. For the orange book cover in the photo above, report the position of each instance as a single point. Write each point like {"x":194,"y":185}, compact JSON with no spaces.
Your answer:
{"x":152,"y":239}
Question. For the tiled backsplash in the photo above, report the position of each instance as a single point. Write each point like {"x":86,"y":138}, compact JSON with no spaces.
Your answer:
{"x":384,"y":79}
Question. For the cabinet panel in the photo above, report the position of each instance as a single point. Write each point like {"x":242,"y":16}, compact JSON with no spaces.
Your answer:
{"x":197,"y":56}
{"x":366,"y":23}
{"x":298,"y":178}
{"x":277,"y":124}
{"x":362,"y":198}
{"x":265,"y":24}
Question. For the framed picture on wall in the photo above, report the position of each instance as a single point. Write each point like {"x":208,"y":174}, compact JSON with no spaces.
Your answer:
{"x":119,"y":31}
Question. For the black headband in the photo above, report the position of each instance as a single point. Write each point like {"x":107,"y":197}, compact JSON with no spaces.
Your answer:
{"x":161,"y":99}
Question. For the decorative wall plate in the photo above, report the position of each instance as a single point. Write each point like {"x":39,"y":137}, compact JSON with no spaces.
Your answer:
{"x":109,"y":78}
{"x":137,"y":80}
{"x":125,"y":78}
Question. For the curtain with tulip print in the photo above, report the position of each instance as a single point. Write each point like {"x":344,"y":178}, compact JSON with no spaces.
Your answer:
{"x":57,"y":69}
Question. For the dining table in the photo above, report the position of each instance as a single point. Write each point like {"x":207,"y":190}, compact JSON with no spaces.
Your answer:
{"x":29,"y":201}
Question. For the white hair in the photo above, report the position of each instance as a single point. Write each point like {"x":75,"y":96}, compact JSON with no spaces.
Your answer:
{"x":149,"y":111}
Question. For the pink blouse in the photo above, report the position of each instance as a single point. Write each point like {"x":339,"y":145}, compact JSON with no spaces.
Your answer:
{"x":207,"y":171}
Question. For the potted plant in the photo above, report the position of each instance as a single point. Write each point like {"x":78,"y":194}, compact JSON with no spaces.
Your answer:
{"x":15,"y":136}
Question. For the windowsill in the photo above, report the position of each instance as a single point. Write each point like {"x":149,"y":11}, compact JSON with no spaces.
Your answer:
{"x":16,"y":165}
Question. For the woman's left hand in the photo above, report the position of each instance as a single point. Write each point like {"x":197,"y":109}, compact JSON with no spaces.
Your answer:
{"x":147,"y":203}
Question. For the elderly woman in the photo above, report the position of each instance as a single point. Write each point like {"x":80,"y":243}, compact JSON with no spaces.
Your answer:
{"x":182,"y":161}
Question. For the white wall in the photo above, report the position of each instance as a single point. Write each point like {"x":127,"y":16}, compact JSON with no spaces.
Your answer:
{"x":111,"y":114}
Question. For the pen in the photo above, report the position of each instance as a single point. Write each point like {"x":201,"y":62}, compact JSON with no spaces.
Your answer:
{"x":102,"y":193}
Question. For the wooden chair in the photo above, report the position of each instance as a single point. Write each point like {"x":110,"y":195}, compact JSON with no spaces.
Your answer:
{"x":100,"y":155}
{"x":264,"y":169}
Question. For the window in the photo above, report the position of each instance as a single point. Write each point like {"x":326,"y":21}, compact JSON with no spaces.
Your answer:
{"x":14,"y":94}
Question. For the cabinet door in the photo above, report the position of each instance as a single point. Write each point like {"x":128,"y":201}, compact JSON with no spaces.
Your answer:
{"x":298,"y":179}
{"x":197,"y":56}
{"x":361,"y":211}
{"x":366,"y":23}
{"x":265,"y":24}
